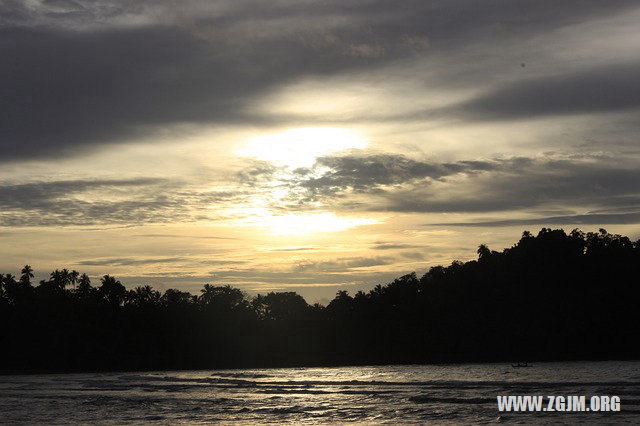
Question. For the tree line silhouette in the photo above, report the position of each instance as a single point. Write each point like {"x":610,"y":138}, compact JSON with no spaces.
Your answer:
{"x":554,"y":296}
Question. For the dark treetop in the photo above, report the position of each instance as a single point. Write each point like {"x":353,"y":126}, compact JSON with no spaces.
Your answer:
{"x":554,"y":296}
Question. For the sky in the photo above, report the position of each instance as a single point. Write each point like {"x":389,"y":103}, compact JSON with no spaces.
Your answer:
{"x":309,"y":146}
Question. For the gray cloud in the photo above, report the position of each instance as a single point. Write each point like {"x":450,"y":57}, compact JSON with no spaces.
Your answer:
{"x":393,"y":246}
{"x":295,"y":249}
{"x":605,"y":89}
{"x":37,"y":195}
{"x":542,"y":183}
{"x":368,"y":173}
{"x":396,"y":183}
{"x":342,"y":264}
{"x":129,"y":202}
{"x":128,"y":261}
{"x":77,"y":74}
{"x":412,"y":255}
{"x":198,"y":237}
{"x":61,"y":202}
{"x":133,"y":261}
{"x":582,"y":219}
{"x":351,"y":182}
{"x":68,"y":90}
{"x":441,"y":18}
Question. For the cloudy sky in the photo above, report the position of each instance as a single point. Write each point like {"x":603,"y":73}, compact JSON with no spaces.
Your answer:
{"x":309,"y":146}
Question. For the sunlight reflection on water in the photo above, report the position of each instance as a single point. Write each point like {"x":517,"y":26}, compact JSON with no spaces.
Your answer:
{"x":382,"y":394}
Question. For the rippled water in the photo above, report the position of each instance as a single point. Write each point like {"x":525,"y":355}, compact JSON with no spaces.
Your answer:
{"x":453,"y":394}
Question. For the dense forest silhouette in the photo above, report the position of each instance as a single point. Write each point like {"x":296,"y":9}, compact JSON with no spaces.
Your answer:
{"x":554,"y":296}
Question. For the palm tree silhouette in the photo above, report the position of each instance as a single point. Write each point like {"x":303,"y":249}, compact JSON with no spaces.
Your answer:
{"x":72,"y":277}
{"x":5,"y":283}
{"x":65,"y":277}
{"x":112,"y":290}
{"x":84,"y":284}
{"x":57,"y":278}
{"x":27,"y":274}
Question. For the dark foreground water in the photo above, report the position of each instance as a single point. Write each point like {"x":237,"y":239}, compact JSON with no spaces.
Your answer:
{"x":456,"y":394}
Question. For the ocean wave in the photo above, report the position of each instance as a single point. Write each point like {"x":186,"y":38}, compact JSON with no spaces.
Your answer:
{"x":254,"y":379}
{"x":242,"y":375}
{"x":385,"y":394}
{"x":427,"y":399}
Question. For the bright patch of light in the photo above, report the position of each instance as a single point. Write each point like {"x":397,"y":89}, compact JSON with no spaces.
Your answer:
{"x":300,"y":147}
{"x":312,"y":223}
{"x":299,"y":224}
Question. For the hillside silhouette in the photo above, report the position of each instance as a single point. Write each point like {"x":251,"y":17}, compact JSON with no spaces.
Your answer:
{"x":553,"y":296}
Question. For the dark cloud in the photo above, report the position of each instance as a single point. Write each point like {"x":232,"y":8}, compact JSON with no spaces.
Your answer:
{"x":440,"y":19}
{"x":257,"y":172}
{"x":605,"y":89}
{"x":624,"y":209}
{"x":544,"y":183}
{"x":400,"y":184}
{"x":66,"y":90}
{"x":77,"y":74}
{"x":103,"y":202}
{"x":61,"y":203}
{"x":38,"y":195}
{"x":347,"y":183}
{"x":367,"y":173}
{"x":582,"y":219}
{"x":342,"y":264}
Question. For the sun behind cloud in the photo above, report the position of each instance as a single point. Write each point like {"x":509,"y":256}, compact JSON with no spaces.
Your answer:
{"x":300,"y":147}
{"x":289,"y":150}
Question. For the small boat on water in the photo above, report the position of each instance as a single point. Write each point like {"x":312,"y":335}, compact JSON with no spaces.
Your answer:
{"x":521,"y":364}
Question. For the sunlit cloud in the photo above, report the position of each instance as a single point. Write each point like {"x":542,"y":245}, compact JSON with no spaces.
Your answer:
{"x":300,"y":147}
{"x":301,"y":224}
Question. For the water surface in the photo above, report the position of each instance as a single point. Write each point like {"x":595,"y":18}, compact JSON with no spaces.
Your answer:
{"x":455,"y":394}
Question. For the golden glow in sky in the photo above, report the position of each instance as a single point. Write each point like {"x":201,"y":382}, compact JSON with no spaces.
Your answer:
{"x":231,"y":142}
{"x":292,"y":149}
{"x":300,"y":147}
{"x":305,"y":224}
